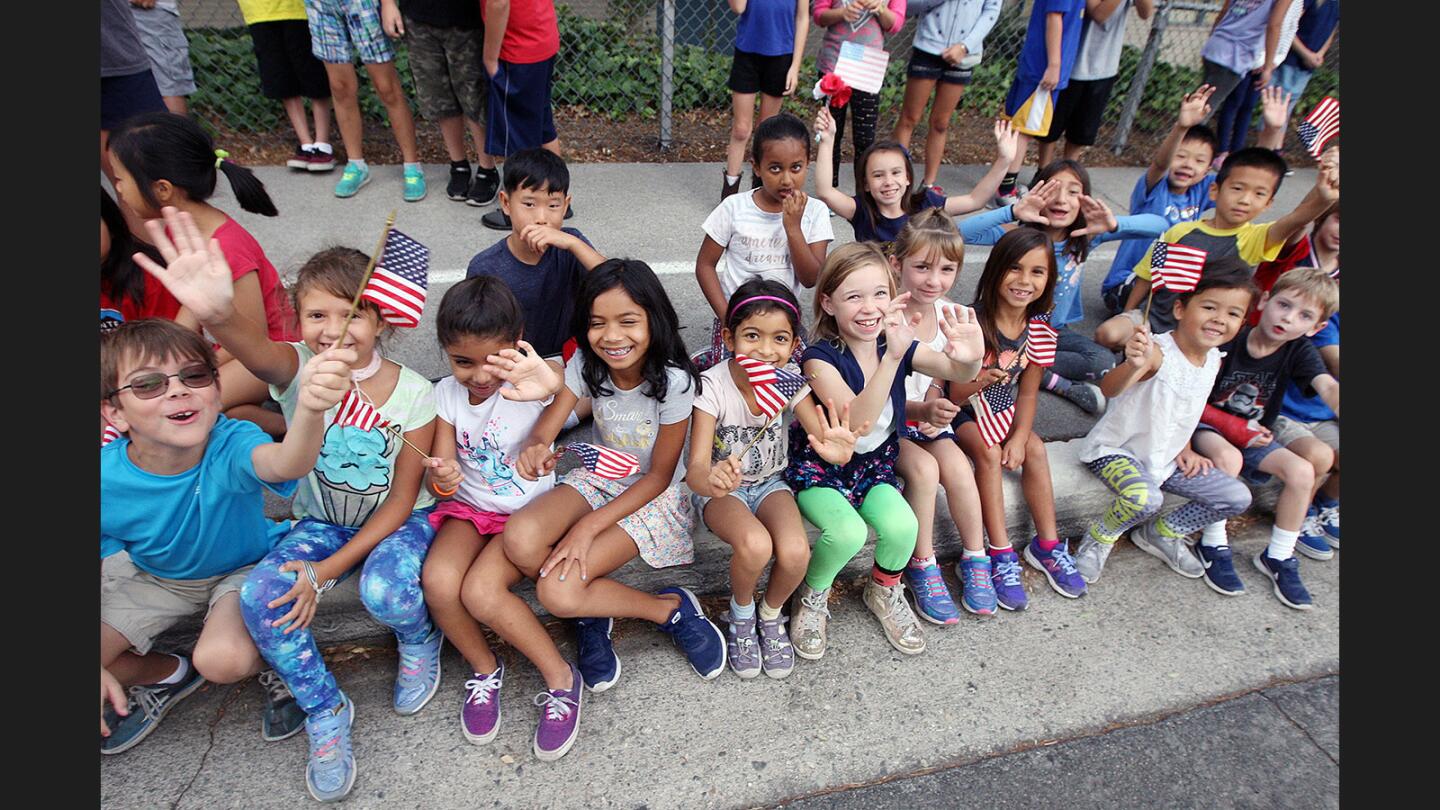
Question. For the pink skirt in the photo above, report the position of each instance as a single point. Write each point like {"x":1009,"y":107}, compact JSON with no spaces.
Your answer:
{"x":487,"y":523}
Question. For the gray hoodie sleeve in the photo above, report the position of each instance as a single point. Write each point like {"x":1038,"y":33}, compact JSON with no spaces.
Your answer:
{"x":918,"y":8}
{"x":974,"y":39}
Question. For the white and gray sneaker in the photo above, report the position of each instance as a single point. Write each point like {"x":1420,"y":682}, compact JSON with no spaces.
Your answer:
{"x":1173,"y":550}
{"x":742,"y":645}
{"x":1090,"y":558}
{"x":809,"y":616}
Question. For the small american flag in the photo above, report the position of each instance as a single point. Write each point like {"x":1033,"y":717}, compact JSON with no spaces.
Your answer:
{"x":861,"y":66}
{"x":605,"y":462}
{"x":398,"y":284}
{"x":1175,"y":267}
{"x":774,"y":387}
{"x":109,"y":434}
{"x":356,"y":411}
{"x":1041,"y":340}
{"x":1322,"y":124}
{"x":994,"y":408}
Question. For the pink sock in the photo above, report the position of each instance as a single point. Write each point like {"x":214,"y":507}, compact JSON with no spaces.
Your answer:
{"x":994,"y":551}
{"x":1046,"y":546}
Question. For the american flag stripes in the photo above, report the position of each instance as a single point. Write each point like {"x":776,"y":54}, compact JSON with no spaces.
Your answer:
{"x":398,"y":284}
{"x":1175,"y":267}
{"x":603,"y":461}
{"x":1040,"y":341}
{"x":1322,"y":124}
{"x":994,"y":407}
{"x":356,"y":411}
{"x":861,"y":66}
{"x":774,"y":387}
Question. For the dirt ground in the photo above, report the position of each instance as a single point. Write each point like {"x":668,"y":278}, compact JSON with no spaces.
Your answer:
{"x":697,"y":136}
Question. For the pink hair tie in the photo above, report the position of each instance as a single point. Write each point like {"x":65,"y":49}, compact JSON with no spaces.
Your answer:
{"x":788,"y":305}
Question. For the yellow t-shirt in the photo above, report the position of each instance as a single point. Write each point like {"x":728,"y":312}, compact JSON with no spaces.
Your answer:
{"x":259,"y":11}
{"x":1246,"y":241}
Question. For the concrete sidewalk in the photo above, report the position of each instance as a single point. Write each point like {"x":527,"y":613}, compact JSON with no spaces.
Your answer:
{"x":1144,"y":643}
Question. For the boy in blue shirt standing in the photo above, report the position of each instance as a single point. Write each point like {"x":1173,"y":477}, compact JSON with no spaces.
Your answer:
{"x":1183,"y":163}
{"x":181,"y":493}
{"x":1051,"y":41}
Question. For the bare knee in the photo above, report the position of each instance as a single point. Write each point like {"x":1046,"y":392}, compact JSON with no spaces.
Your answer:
{"x":1321,"y":458}
{"x":753,"y":548}
{"x":481,"y":597}
{"x":920,"y":470}
{"x":344,"y":86}
{"x":441,"y":583}
{"x":1298,"y":473}
{"x":793,"y":554}
{"x":740,"y":131}
{"x":562,"y":599}
{"x":1114,"y":332}
{"x":219,"y":662}
{"x":524,"y":541}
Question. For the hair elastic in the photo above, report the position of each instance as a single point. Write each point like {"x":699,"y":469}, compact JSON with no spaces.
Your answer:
{"x":220,"y":155}
{"x":767,"y":298}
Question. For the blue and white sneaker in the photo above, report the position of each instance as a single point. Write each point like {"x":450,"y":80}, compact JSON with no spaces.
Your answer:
{"x":1058,"y":568}
{"x":1220,"y":570}
{"x":1330,"y":522}
{"x":978,"y":593}
{"x":418,"y":675}
{"x":1005,"y":577}
{"x":1285,"y":576}
{"x":932,"y":599}
{"x":148,"y":706}
{"x":352,"y":179}
{"x":596,"y":658}
{"x":1312,"y":541}
{"x":330,"y":773}
{"x":692,"y":632}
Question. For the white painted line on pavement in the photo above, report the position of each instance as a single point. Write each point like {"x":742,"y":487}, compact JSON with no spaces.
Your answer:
{"x":660,"y":268}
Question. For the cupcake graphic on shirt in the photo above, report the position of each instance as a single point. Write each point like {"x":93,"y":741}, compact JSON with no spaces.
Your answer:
{"x":354,"y":473}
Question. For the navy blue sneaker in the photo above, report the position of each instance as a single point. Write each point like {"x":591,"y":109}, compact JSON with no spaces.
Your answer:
{"x":598,"y":663}
{"x":1285,"y":575}
{"x":701,"y":640}
{"x":148,"y":706}
{"x":1330,"y":522}
{"x":1220,"y":570}
{"x":1312,"y":541}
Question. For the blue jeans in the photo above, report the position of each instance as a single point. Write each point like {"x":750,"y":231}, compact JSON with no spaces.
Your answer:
{"x":389,"y":588}
{"x":1233,"y":121}
{"x":1292,"y":79}
{"x":1080,"y":359}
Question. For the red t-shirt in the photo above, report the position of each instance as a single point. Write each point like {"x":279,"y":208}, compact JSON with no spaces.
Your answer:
{"x":156,"y":303}
{"x":245,"y":255}
{"x":532,"y":34}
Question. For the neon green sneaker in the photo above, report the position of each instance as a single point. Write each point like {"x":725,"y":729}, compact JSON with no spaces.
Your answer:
{"x":352,"y":180}
{"x":414,"y":185}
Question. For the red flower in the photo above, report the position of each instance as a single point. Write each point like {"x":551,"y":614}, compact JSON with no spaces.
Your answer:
{"x":835,"y":88}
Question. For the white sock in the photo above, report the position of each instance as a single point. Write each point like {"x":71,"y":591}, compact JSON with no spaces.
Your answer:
{"x":767,"y":613}
{"x":1282,"y":544}
{"x":307,"y":146}
{"x":359,"y":163}
{"x":323,"y":147}
{"x":967,"y":554}
{"x":415,"y":166}
{"x":732,"y":179}
{"x":181,"y":671}
{"x":739,"y":611}
{"x":1214,"y":535}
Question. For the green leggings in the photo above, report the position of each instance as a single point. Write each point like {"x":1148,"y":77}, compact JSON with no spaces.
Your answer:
{"x":843,"y":530}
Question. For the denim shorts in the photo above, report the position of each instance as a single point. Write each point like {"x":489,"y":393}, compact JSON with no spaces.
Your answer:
{"x":925,"y":65}
{"x":752,"y":496}
{"x":1253,"y":456}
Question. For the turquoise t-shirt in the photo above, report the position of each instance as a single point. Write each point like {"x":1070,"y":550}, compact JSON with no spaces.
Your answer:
{"x":204,"y":522}
{"x":353,"y":474}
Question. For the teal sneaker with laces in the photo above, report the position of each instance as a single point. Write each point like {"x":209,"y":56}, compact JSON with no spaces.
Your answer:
{"x":352,"y":179}
{"x":932,"y":599}
{"x":148,"y":706}
{"x":418,"y":675}
{"x":414,"y":184}
{"x":330,"y":772}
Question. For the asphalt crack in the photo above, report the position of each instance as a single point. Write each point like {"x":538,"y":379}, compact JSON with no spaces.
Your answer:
{"x":1301,"y":728}
{"x":205,"y":757}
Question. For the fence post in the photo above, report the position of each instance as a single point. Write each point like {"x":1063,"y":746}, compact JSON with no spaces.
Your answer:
{"x":667,"y":69}
{"x":1141,"y":77}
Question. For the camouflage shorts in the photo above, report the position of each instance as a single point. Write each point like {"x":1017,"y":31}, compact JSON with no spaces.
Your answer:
{"x":449,"y":74}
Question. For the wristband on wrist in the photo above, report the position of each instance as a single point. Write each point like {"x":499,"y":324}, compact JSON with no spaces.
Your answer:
{"x":319,"y":587}
{"x":444,"y":493}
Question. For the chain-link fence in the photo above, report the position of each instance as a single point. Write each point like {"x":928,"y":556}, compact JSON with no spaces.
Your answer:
{"x":645,"y":80}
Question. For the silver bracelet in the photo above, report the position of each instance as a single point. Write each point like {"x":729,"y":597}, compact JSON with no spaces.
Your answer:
{"x":319,"y":588}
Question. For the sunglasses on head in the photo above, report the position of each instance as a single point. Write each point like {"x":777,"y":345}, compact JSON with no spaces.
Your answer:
{"x":155,"y":383}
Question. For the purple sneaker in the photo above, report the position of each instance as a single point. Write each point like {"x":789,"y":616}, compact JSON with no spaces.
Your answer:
{"x":1005,"y":576}
{"x":559,"y":718}
{"x":480,"y":716}
{"x":1058,"y":567}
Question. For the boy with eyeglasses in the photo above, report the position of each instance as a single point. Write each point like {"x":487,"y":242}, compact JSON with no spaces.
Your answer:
{"x":180,"y":491}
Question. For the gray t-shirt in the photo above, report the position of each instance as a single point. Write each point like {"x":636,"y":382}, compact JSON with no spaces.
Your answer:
{"x":120,"y":51}
{"x":1100,"y":46}
{"x":629,"y":421}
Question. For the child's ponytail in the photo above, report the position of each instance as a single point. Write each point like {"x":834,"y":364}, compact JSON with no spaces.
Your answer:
{"x":165,"y":146}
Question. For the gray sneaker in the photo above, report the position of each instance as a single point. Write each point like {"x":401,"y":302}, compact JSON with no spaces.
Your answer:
{"x":742,"y":645}
{"x":809,"y":616}
{"x":1173,"y":550}
{"x":1090,"y":558}
{"x":777,"y":654}
{"x":1087,"y":397}
{"x":902,"y":628}
{"x":282,"y":717}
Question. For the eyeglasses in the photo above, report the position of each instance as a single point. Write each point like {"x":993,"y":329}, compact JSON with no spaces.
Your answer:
{"x":149,"y":386}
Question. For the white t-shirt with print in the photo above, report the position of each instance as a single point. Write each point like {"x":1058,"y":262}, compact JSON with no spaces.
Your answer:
{"x":917,"y":385}
{"x":629,"y":421}
{"x":736,"y":426}
{"x":755,"y":243}
{"x":489,"y":438}
{"x":353,"y":474}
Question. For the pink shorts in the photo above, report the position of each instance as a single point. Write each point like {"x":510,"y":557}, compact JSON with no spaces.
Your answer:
{"x":485,"y":522}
